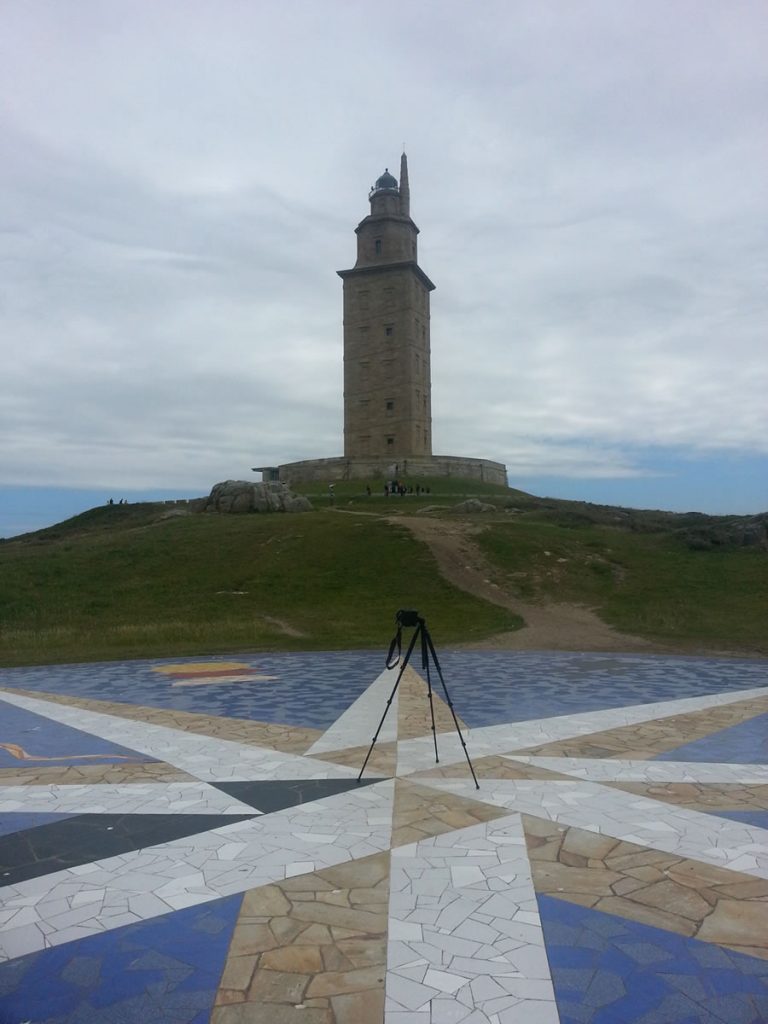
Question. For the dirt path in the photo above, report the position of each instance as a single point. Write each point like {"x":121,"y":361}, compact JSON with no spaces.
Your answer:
{"x":552,"y":627}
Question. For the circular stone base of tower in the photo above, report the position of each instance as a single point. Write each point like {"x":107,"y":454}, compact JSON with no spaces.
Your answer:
{"x":325,"y":470}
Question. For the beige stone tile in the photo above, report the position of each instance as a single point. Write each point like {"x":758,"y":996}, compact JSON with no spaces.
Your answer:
{"x":237,"y":974}
{"x":645,"y":740}
{"x":493,"y":766}
{"x":680,"y":900}
{"x":675,"y":893}
{"x":248,"y":939}
{"x":366,"y":872}
{"x":420,"y":812}
{"x":305,"y":883}
{"x":317,"y":934}
{"x":553,"y":877}
{"x":272,"y":1013}
{"x":588,"y":844}
{"x":366,"y":1007}
{"x":266,"y":901}
{"x":413,"y":716}
{"x":383,"y":760}
{"x":708,"y":797}
{"x":228,"y":996}
{"x":277,"y":987}
{"x":294,"y":959}
{"x":359,"y":979}
{"x":646,"y":915}
{"x":343,"y":917}
{"x":363,"y":952}
{"x":755,"y":888}
{"x":286,"y":930}
{"x":302,"y":941}
{"x":93,"y":774}
{"x":334,"y":960}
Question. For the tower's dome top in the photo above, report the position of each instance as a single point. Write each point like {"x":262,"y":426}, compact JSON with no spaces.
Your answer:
{"x":386,"y":181}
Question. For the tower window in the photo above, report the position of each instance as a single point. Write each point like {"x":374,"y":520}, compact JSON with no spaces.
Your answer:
{"x":389,"y":330}
{"x":390,"y":442}
{"x":377,"y":246}
{"x":390,"y":404}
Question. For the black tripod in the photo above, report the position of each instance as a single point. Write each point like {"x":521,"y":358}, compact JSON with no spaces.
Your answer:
{"x":413,"y":619}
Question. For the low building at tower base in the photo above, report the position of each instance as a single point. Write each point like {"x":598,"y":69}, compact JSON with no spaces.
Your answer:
{"x":330,"y":470}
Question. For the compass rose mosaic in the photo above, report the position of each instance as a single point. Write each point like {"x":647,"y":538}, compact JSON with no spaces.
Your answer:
{"x":188,"y":842}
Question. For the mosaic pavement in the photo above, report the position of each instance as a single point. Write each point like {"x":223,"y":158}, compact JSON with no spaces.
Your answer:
{"x":187,"y":842}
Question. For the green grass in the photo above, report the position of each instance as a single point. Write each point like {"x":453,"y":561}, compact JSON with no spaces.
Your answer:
{"x":101,"y":586}
{"x":123,"y":582}
{"x":649,"y":584}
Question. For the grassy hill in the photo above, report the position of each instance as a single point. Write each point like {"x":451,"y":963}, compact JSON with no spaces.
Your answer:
{"x":139,"y":580}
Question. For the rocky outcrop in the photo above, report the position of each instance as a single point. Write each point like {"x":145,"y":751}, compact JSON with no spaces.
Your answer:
{"x":244,"y":496}
{"x":740,"y":532}
{"x":473,"y":505}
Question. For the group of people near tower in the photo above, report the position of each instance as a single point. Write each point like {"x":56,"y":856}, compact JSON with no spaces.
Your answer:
{"x":398,"y":487}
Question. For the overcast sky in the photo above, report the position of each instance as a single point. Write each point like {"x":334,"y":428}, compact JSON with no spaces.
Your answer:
{"x":180,"y":180}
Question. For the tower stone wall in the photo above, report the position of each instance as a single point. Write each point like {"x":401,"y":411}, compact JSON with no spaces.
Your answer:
{"x":387,"y":371}
{"x":387,"y":374}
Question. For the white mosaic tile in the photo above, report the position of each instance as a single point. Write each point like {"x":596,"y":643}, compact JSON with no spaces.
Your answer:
{"x":479,"y":952}
{"x":357,"y":725}
{"x":129,"y":798}
{"x":144,"y":883}
{"x":635,"y":819}
{"x":419,"y":754}
{"x":615,"y":770}
{"x":204,"y":757}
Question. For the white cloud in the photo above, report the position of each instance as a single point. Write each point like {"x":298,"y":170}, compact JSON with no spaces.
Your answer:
{"x":180,"y":181}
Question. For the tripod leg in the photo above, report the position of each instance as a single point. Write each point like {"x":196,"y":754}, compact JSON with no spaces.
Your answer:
{"x":425,"y":665}
{"x":389,"y":703}
{"x":431,"y":646}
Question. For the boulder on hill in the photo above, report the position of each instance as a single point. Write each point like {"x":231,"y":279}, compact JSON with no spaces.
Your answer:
{"x":245,"y":496}
{"x":473,"y":505}
{"x":743,"y":531}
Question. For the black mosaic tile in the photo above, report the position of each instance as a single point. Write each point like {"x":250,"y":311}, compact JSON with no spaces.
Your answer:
{"x":275,"y":795}
{"x":84,"y":838}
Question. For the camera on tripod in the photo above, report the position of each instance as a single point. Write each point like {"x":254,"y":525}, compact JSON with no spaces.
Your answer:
{"x":407,"y":618}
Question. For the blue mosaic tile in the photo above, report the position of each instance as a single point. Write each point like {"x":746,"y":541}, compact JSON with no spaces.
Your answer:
{"x":513,"y":686}
{"x":166,"y":969}
{"x":28,"y":740}
{"x":487,"y":687}
{"x":607,"y":970}
{"x":20,"y":821}
{"x":757,"y":818}
{"x":745,"y":743}
{"x":310,"y":689}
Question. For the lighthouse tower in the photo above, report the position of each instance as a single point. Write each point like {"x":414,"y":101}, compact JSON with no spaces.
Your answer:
{"x":387,"y":370}
{"x":387,"y":385}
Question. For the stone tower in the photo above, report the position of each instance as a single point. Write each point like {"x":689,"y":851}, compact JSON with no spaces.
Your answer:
{"x":387,"y":377}
{"x":387,"y":384}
